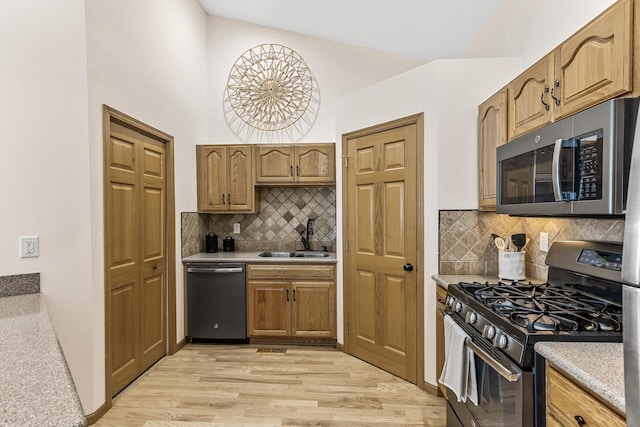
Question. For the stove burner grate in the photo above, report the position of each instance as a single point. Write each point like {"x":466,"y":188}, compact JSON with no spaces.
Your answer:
{"x":547,"y":307}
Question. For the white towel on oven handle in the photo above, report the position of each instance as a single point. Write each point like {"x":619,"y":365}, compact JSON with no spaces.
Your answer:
{"x":459,"y":371}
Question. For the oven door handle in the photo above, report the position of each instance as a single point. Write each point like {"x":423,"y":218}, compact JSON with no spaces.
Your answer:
{"x":504,"y":372}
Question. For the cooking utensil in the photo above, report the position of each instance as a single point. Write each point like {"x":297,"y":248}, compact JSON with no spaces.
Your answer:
{"x":508,"y":245}
{"x":500,"y":244}
{"x":519,"y":240}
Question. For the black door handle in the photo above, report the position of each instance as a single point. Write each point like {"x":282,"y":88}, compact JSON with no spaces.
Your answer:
{"x":408,"y":267}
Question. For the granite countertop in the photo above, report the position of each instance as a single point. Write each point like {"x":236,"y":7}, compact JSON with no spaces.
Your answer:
{"x":584,"y":363}
{"x":254,"y":258}
{"x":36,"y":386}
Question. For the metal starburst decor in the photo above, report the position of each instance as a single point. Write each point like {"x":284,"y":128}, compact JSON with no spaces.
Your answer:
{"x":270,"y":90}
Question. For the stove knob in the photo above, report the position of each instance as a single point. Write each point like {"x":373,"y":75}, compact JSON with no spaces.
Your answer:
{"x":472,"y":317}
{"x":489,"y":332}
{"x":502,"y":341}
{"x":457,"y":307}
{"x":449,"y":301}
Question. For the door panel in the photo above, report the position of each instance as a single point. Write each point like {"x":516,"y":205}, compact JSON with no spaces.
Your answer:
{"x":313,"y":309}
{"x":268,"y":309}
{"x":394,"y":244}
{"x":394,"y":300}
{"x":382,"y":222}
{"x":135,"y":239}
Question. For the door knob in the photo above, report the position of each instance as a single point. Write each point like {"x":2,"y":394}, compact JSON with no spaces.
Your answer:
{"x":408,"y":267}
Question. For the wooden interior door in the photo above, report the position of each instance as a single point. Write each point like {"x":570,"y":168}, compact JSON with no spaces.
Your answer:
{"x":382,"y":230}
{"x":135,"y":256}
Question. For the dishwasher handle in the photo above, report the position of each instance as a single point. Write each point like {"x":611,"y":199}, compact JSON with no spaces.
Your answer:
{"x":215,"y":270}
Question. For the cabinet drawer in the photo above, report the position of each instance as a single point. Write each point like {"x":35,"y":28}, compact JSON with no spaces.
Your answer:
{"x":566,"y":400}
{"x":290,"y":271}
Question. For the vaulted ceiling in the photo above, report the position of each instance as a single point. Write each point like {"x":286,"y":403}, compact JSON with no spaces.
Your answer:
{"x":421,"y":29}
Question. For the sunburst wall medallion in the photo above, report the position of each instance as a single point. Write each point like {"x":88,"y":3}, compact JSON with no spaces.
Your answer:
{"x":271,"y":94}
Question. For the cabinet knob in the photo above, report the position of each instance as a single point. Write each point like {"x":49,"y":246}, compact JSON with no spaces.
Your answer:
{"x":291,"y":170}
{"x":229,"y":199}
{"x":287,"y":294}
{"x":155,"y":267}
{"x":294,"y":295}
{"x":580,"y":420}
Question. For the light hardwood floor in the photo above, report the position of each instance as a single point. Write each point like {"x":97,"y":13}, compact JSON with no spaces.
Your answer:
{"x":232,"y":385}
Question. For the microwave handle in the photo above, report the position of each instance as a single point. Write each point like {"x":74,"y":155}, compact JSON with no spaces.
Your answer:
{"x":555,"y":171}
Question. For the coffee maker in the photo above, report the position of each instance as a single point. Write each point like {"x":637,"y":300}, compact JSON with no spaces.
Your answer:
{"x":228,"y":244}
{"x":211,"y":242}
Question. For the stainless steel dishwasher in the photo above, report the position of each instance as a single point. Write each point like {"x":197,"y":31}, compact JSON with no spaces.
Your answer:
{"x":216,"y":301}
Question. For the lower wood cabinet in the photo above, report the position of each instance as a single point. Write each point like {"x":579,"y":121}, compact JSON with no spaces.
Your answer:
{"x":568,"y":404}
{"x":296,"y":301}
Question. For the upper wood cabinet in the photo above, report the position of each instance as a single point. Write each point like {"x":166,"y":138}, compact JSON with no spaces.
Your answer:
{"x":225,"y":179}
{"x":492,"y":132}
{"x":309,"y":164}
{"x":591,"y":66}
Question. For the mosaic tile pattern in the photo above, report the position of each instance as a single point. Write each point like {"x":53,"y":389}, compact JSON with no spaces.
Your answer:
{"x":19,"y":284}
{"x":283,"y":216}
{"x":194,"y":228}
{"x":466,"y":244}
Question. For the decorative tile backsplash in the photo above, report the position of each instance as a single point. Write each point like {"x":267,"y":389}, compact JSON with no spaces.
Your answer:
{"x":283,"y":216}
{"x":466,"y":246}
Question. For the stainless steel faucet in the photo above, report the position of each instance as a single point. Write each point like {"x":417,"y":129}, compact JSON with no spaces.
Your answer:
{"x":305,"y":240}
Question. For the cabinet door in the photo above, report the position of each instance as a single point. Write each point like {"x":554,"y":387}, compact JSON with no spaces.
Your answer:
{"x":315,"y":163}
{"x":268,"y":308}
{"x":240,"y":188}
{"x":492,"y":132}
{"x":274,"y":164}
{"x":595,"y":63}
{"x":566,"y":400}
{"x":210,"y":171}
{"x":529,"y":100}
{"x":313,"y":309}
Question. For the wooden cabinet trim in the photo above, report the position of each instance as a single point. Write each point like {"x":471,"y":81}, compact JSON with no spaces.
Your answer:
{"x":290,"y":271}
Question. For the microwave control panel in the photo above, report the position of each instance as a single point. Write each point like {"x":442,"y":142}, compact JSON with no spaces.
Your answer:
{"x":590,"y":161}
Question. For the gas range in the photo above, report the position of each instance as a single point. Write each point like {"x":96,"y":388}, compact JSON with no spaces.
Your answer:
{"x":582,"y":301}
{"x":513,"y":316}
{"x":502,"y":321}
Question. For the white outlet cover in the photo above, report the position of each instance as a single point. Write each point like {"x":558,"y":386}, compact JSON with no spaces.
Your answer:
{"x":29,"y":246}
{"x":544,"y":241}
{"x":236,"y":228}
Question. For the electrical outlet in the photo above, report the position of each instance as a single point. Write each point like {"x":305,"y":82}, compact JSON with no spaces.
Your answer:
{"x":544,"y":242}
{"x":236,"y":228}
{"x":29,"y":246}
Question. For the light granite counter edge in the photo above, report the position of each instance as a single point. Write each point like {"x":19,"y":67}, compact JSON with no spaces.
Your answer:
{"x":584,"y":362}
{"x":37,"y":388}
{"x":253,"y":257}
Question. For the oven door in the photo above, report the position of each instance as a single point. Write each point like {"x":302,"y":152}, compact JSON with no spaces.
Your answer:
{"x":505,"y":391}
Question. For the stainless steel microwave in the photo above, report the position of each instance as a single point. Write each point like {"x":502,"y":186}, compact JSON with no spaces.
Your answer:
{"x":575,"y":166}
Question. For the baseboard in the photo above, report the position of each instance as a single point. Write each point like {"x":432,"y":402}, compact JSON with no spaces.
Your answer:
{"x":180,"y":344}
{"x":340,"y":347}
{"x":93,"y":417}
{"x":432,"y":389}
{"x":292,"y":340}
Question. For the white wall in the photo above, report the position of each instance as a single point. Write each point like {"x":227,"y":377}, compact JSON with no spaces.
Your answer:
{"x":338,"y":68}
{"x":533,"y":29}
{"x":44,"y":166}
{"x":147,"y":59}
{"x":448,"y":92}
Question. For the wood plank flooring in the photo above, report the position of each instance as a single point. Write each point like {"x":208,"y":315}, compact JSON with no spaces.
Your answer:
{"x":232,"y":385}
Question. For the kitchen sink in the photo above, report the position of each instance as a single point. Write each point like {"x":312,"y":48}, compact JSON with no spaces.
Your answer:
{"x":282,"y":254}
{"x":276,"y":254}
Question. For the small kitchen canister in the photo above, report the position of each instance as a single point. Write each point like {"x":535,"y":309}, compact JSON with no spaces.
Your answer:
{"x":511,"y":265}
